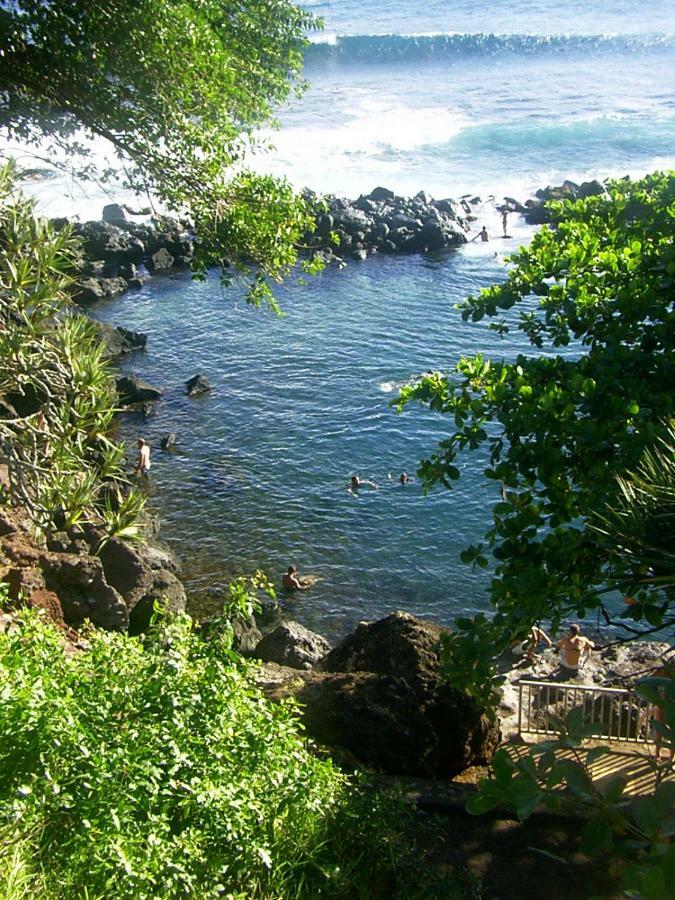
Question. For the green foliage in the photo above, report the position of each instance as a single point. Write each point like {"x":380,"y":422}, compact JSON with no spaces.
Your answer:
{"x":178,"y":88}
{"x":560,"y":428}
{"x":63,"y":465}
{"x":638,"y":529}
{"x":636,"y":832}
{"x":155,"y":768}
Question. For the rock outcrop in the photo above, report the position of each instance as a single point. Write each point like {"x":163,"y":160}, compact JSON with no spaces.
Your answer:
{"x":132,"y":389}
{"x":291,"y":644}
{"x":380,"y":694}
{"x":118,"y":340}
{"x":536,"y":211}
{"x":69,"y":577}
{"x":382,"y":222}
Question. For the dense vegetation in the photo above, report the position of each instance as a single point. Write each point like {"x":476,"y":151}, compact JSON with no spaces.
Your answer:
{"x":57,"y":390}
{"x":155,"y":768}
{"x":593,"y":294}
{"x":176,"y":89}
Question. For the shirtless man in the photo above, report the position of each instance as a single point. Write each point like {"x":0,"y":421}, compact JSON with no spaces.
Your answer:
{"x":291,"y":581}
{"x":575,"y":649}
{"x":482,"y":234}
{"x":143,"y":461}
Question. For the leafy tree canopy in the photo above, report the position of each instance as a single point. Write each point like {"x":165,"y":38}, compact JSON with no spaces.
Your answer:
{"x":594,"y":296}
{"x":178,"y":88}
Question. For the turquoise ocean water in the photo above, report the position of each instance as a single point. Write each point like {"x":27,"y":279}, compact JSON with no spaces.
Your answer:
{"x":448,"y":97}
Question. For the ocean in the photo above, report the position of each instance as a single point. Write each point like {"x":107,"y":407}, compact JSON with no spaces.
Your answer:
{"x":488,"y":99}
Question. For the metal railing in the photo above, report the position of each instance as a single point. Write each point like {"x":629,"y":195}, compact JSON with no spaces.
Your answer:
{"x":621,"y":715}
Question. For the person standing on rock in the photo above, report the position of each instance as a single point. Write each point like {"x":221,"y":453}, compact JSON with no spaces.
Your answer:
{"x":505,"y":219}
{"x":575,"y":649}
{"x":143,"y":461}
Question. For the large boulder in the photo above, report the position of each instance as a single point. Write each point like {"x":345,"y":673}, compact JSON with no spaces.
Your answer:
{"x":132,"y":389}
{"x":164,"y":588}
{"x":114,"y":214}
{"x":79,"y":583}
{"x":376,"y":718}
{"x":291,"y":644}
{"x":408,"y":648}
{"x":381,"y":193}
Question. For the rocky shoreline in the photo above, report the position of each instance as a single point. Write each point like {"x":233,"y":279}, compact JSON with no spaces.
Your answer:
{"x":120,"y":253}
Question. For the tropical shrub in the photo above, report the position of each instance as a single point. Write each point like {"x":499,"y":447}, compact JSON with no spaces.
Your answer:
{"x":155,"y":768}
{"x":64,"y":466}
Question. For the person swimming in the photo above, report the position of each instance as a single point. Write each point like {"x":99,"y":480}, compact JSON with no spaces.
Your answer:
{"x":355,"y":483}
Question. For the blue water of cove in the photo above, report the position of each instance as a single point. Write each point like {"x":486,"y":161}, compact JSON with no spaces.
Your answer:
{"x":298,"y":405}
{"x":448,"y":97}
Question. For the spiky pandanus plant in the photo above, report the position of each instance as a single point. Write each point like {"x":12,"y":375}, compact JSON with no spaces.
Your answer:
{"x":638,"y":526}
{"x":63,"y":465}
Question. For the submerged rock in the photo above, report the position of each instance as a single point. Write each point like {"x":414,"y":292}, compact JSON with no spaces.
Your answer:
{"x":198,"y":384}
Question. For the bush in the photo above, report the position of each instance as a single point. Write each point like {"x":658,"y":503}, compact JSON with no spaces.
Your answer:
{"x":154,"y":768}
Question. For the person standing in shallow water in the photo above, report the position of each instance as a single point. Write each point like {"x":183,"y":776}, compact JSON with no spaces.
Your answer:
{"x":143,"y":460}
{"x":291,"y":582}
{"x":482,"y":234}
{"x":505,"y":219}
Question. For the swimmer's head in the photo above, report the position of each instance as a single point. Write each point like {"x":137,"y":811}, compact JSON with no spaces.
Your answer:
{"x":355,"y":481}
{"x":574,"y":630}
{"x":292,"y":570}
{"x":403,"y":478}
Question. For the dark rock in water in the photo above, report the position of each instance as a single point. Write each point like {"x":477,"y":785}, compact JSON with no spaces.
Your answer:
{"x":352,"y":220}
{"x":132,"y":389}
{"x":127,"y":271}
{"x":160,"y":261}
{"x":405,"y":647}
{"x":114,"y":214}
{"x":291,"y":644}
{"x":375,"y":717}
{"x":593,"y":188}
{"x":90,"y":290}
{"x":168,"y":442}
{"x":514,"y":205}
{"x":118,"y":340}
{"x":198,"y":384}
{"x":138,"y":281}
{"x":381,"y":193}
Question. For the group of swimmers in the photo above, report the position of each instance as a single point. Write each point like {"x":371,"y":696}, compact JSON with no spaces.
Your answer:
{"x":356,"y":482}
